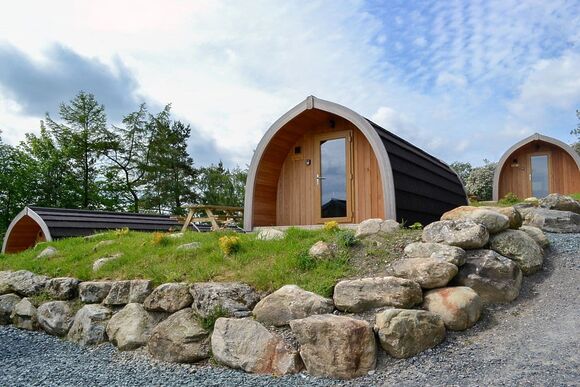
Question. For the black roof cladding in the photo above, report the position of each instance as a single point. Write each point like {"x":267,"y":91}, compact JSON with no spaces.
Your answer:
{"x":425,"y":187}
{"x":70,"y":223}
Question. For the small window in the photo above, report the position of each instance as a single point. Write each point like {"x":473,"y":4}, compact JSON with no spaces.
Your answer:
{"x":297,"y":150}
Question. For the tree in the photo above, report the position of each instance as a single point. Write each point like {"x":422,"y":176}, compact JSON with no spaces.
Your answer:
{"x":480,"y":181}
{"x":128,"y":151}
{"x":576,"y":132}
{"x":463,"y":170}
{"x":220,"y":186}
{"x":82,"y":139}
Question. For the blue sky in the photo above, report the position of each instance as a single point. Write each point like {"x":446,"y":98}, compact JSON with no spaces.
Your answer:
{"x":463,"y":80}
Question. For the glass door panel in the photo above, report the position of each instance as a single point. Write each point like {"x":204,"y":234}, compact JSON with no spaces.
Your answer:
{"x":540,"y":176}
{"x":333,"y":178}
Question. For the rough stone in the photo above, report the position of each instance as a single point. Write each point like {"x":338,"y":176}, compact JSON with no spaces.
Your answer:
{"x":89,"y":325}
{"x":99,"y":263}
{"x":5,"y":282}
{"x":103,"y":244}
{"x":7,"y":304}
{"x":233,"y":299}
{"x":520,"y":247}
{"x":537,"y":235}
{"x":440,"y":251}
{"x":180,"y":339}
{"x":514,"y":216}
{"x":376,"y":228}
{"x":62,"y":288}
{"x":369,"y":293}
{"x":336,"y":346}
{"x":459,"y":307}
{"x":24,"y":315}
{"x":169,"y":297}
{"x":93,"y":236}
{"x":119,"y":293}
{"x":55,"y":317}
{"x":495,"y":278}
{"x":552,"y":220}
{"x":131,"y":327}
{"x":493,"y":221}
{"x":175,"y":235}
{"x":429,"y":273}
{"x":189,"y":246}
{"x":404,"y":333}
{"x":461,"y":233}
{"x":91,"y":292}
{"x":290,"y":302}
{"x":560,"y":202}
{"x":270,"y":234}
{"x":23,"y":282}
{"x":140,"y":290}
{"x":246,"y":344}
{"x":48,"y":252}
{"x":321,"y":250}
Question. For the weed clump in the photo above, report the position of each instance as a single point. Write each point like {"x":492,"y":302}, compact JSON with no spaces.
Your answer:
{"x":331,"y":226}
{"x":509,"y":199}
{"x":230,"y":244}
{"x":160,"y":239}
{"x":208,"y":322}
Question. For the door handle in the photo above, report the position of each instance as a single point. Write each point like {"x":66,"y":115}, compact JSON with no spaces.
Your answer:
{"x":318,"y":178}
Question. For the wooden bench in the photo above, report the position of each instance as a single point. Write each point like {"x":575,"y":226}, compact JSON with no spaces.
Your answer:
{"x":220,"y":217}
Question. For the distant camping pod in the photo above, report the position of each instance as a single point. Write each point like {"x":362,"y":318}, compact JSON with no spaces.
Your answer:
{"x":38,"y":224}
{"x":537,"y":166}
{"x":322,"y":161}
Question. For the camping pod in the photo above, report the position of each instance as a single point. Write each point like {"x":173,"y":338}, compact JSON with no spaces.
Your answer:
{"x":537,"y":166}
{"x":37,"y":224}
{"x":323,"y":162}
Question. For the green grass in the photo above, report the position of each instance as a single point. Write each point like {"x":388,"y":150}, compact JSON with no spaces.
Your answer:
{"x":576,"y":195}
{"x":267,"y":265}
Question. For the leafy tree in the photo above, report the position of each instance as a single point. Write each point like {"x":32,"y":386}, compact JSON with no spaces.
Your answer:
{"x":81,"y":138}
{"x":576,"y":132}
{"x":220,"y":186}
{"x":480,"y":181}
{"x":462,"y":169}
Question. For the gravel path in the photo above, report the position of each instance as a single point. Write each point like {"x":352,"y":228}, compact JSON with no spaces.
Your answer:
{"x":534,"y":340}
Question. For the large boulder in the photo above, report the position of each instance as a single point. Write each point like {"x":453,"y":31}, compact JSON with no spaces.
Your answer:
{"x":376,"y":228}
{"x":246,"y":344}
{"x":91,"y":292}
{"x":55,"y":317}
{"x":180,"y":339}
{"x":459,"y":307}
{"x":7,"y":304}
{"x":23,"y":282}
{"x":493,"y":221}
{"x":514,"y":216}
{"x":364,"y":294}
{"x":559,"y":202}
{"x":131,"y":327}
{"x":119,"y":293}
{"x":231,"y":299}
{"x":552,"y":220}
{"x":290,"y":302}
{"x":429,"y":273}
{"x":24,"y":315}
{"x":461,"y":233}
{"x":537,"y":235}
{"x":169,"y":297}
{"x":140,"y":290}
{"x":336,"y":346}
{"x":520,"y":247}
{"x":5,"y":283}
{"x":495,"y":278}
{"x":270,"y":234}
{"x":404,"y":333}
{"x":63,"y":288}
{"x":89,"y":325}
{"x":440,"y":251}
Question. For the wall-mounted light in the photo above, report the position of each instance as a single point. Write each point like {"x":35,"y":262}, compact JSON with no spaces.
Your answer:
{"x":308,"y":162}
{"x":515,"y":163}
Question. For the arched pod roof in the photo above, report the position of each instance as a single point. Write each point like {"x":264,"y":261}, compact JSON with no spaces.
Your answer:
{"x":56,"y":223}
{"x":416,"y":185}
{"x":534,"y":137}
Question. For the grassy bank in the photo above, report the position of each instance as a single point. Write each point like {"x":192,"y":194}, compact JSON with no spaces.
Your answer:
{"x":267,"y":265}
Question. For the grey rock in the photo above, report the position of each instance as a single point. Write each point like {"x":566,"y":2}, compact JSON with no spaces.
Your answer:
{"x":233,"y":299}
{"x":429,"y":273}
{"x":55,"y":317}
{"x":24,"y":315}
{"x":440,"y":251}
{"x":5,"y":282}
{"x":169,"y":297}
{"x":131,"y":327}
{"x":62,"y":288}
{"x":520,"y":247}
{"x":537,"y":235}
{"x":459,"y":307}
{"x":7,"y":304}
{"x":246,"y":344}
{"x":552,"y":220}
{"x":99,"y":263}
{"x":180,"y":339}
{"x":495,"y":278}
{"x":176,"y":235}
{"x":493,"y":221}
{"x":270,"y":234}
{"x":189,"y":246}
{"x":48,"y":252}
{"x":376,"y":228}
{"x":513,"y":214}
{"x":560,"y":202}
{"x":89,"y":325}
{"x":140,"y":290}
{"x":369,"y":293}
{"x":288,"y":303}
{"x":461,"y":233}
{"x":404,"y":333}
{"x":336,"y":346}
{"x":119,"y":293}
{"x":23,"y":283}
{"x":321,"y":250}
{"x":103,"y":244}
{"x":91,"y":292}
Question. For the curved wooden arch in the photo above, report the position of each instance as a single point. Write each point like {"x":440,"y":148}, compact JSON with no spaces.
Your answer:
{"x":25,"y":213}
{"x":356,"y":119}
{"x":525,"y":141}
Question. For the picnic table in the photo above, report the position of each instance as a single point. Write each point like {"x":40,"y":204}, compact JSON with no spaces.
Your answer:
{"x":218,"y":216}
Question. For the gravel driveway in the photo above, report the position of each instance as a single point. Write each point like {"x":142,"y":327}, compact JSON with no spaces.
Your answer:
{"x":534,"y":340}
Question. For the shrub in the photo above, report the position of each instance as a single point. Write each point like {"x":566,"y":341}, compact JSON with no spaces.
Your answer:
{"x":230,"y":244}
{"x":416,"y":226}
{"x":160,"y":239}
{"x":346,"y":238}
{"x":510,"y":198}
{"x":480,"y":181}
{"x":331,"y":226}
{"x":121,"y":232}
{"x":208,"y":322}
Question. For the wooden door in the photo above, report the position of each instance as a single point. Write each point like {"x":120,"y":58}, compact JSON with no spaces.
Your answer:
{"x":334,"y":177}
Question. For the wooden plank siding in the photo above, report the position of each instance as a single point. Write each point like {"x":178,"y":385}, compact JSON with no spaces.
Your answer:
{"x":564,"y":175}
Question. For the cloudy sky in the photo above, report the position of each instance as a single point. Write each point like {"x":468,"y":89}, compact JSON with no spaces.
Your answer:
{"x":463,"y":80}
